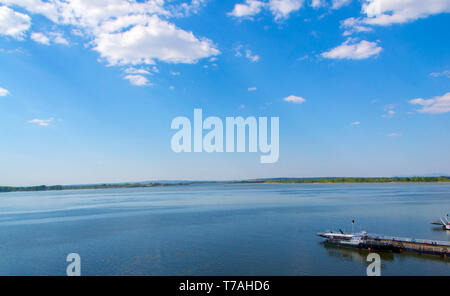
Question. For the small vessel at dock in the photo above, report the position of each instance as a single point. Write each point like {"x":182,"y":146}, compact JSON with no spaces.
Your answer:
{"x":374,"y":242}
{"x":445,"y":224}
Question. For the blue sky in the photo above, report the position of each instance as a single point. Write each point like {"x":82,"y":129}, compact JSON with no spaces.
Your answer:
{"x":88,"y":89}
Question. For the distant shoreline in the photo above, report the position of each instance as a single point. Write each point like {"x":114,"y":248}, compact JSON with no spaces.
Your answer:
{"x":444,"y":179}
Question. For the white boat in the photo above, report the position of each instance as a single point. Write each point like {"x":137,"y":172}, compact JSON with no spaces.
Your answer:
{"x":445,"y":225}
{"x":353,"y":240}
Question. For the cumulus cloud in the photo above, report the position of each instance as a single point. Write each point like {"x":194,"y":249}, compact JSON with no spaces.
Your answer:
{"x":124,"y":33}
{"x":436,"y":105}
{"x":3,"y":92}
{"x":89,"y":14}
{"x":40,"y":38}
{"x":41,"y":122}
{"x":386,"y":12}
{"x":247,"y":9}
{"x":153,"y":39}
{"x":351,"y":49}
{"x":47,"y":39}
{"x":13,"y":23}
{"x":281,"y":9}
{"x":294,"y":99}
{"x":252,"y":89}
{"x":138,"y":80}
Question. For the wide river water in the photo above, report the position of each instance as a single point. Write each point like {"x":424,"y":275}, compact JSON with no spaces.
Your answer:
{"x":220,"y":229}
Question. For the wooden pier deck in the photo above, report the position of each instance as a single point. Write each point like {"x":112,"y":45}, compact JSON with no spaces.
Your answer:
{"x":401,"y":244}
{"x":373,"y":242}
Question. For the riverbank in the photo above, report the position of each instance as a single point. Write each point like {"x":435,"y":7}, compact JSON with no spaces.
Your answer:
{"x":362,"y":180}
{"x":256,"y":181}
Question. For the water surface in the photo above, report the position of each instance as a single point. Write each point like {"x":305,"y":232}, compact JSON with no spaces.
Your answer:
{"x":220,"y":229}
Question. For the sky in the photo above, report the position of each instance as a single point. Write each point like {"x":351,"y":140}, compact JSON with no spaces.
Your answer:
{"x":89,"y":88}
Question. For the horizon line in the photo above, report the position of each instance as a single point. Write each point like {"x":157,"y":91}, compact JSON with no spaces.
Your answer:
{"x":183,"y":181}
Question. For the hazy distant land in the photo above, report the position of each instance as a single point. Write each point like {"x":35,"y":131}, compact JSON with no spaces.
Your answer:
{"x":256,"y":181}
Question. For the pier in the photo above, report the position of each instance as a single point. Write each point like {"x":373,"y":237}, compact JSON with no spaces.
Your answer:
{"x":374,"y":242}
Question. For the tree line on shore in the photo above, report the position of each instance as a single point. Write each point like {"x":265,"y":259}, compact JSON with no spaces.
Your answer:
{"x":79,"y":187}
{"x":302,"y":180}
{"x":363,"y":180}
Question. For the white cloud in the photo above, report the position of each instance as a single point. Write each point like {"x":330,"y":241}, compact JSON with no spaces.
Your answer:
{"x":336,"y":4}
{"x":394,"y":135}
{"x":248,"y":54}
{"x":46,"y":8}
{"x":152,"y":40}
{"x":41,"y":122}
{"x":356,"y":123}
{"x":13,"y":23}
{"x":40,"y":38}
{"x":90,"y":14}
{"x":52,"y":37}
{"x":445,"y":73}
{"x":3,"y":92}
{"x":123,"y":32}
{"x":294,"y":99}
{"x":247,"y":9}
{"x":252,"y":57}
{"x":252,"y":89}
{"x":281,"y":9}
{"x":352,"y":49}
{"x":354,"y":25}
{"x":138,"y":80}
{"x":132,"y":70}
{"x":436,"y":105}
{"x":175,"y":73}
{"x":58,"y":38}
{"x":386,"y":12}
{"x":186,"y":9}
{"x":318,"y":3}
